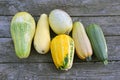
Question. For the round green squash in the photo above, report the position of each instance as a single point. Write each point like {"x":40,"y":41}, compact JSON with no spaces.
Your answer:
{"x":60,"y":21}
{"x":22,"y":31}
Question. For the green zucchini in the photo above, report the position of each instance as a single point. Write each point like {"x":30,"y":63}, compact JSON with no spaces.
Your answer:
{"x":22,"y":31}
{"x":98,"y":42}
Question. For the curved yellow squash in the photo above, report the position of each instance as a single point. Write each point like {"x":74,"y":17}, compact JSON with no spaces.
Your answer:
{"x":62,"y":50}
{"x":42,"y":35}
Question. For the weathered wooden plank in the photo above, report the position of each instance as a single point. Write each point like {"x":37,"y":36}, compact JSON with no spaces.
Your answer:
{"x":47,"y":71}
{"x":110,"y":25}
{"x":73,"y":7}
{"x":7,"y":53}
{"x":5,"y":26}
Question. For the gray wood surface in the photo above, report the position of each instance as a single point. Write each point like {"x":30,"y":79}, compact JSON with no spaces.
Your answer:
{"x":47,"y":71}
{"x":110,"y":25}
{"x":73,"y":7}
{"x":106,"y":13}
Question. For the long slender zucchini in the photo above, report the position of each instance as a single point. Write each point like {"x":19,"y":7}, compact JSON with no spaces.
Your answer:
{"x":98,"y":42}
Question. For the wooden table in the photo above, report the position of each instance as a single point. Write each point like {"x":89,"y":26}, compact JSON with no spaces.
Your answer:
{"x":106,"y":13}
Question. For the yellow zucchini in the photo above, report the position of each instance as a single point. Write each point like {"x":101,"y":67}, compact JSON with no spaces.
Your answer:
{"x":82,"y":43}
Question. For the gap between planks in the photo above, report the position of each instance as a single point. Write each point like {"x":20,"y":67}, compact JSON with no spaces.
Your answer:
{"x":109,"y":61}
{"x":104,"y":35}
{"x":82,"y":15}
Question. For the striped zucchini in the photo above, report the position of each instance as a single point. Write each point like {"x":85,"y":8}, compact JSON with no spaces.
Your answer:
{"x":98,"y":42}
{"x":62,"y":50}
{"x":22,"y":32}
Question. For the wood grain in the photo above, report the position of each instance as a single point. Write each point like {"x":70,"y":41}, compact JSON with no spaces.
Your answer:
{"x":73,"y":7}
{"x":7,"y":53}
{"x":47,"y":71}
{"x":109,"y":25}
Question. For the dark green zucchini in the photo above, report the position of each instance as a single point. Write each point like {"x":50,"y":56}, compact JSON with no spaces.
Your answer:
{"x":98,"y":42}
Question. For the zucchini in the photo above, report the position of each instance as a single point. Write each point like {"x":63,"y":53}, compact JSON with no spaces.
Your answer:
{"x":82,"y":43}
{"x":98,"y":42}
{"x":22,"y":31}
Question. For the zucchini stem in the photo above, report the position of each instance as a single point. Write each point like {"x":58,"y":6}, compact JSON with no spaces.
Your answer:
{"x":89,"y":58}
{"x":105,"y":62}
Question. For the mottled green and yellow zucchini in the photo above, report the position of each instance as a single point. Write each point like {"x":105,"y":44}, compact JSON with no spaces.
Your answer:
{"x":22,"y":32}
